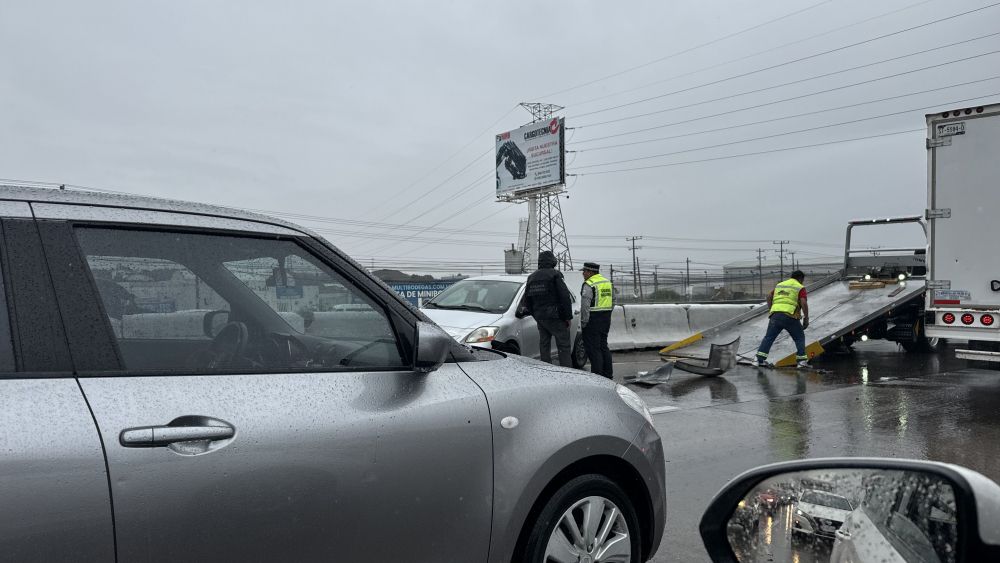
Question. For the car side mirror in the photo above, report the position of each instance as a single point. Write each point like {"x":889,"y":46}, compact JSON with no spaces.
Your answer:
{"x":214,"y":322}
{"x":433,"y":346}
{"x":855,"y":509}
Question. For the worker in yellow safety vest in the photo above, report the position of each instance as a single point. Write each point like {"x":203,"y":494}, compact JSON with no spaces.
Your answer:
{"x":787,"y":304}
{"x":597,"y":301}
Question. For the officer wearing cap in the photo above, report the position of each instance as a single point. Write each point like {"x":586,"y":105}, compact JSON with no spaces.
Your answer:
{"x":595,"y":318}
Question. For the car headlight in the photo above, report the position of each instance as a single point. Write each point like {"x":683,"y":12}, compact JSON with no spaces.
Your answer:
{"x":634,"y":401}
{"x":482,"y":334}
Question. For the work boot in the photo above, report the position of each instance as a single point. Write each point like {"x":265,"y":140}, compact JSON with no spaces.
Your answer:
{"x":802,"y":364}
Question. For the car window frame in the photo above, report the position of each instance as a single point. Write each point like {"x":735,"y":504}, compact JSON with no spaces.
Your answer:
{"x":398,"y":322}
{"x":41,"y":306}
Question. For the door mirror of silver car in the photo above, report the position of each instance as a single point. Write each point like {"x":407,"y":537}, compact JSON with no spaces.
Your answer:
{"x":214,"y":322}
{"x":433,"y":346}
{"x":855,"y":510}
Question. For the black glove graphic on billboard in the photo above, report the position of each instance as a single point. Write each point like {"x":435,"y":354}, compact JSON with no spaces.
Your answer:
{"x":513,"y":160}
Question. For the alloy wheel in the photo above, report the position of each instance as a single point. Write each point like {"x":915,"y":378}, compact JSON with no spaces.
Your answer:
{"x":593,"y":530}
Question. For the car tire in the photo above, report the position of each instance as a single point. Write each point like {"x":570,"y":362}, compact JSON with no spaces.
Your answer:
{"x":579,"y":353}
{"x":553,"y":528}
{"x":509,"y":347}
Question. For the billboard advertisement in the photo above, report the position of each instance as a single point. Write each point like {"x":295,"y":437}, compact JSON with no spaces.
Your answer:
{"x":531,"y":158}
{"x":418,"y":292}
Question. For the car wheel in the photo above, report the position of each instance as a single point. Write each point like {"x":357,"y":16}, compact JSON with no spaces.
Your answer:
{"x":579,"y":353}
{"x":590,"y":518}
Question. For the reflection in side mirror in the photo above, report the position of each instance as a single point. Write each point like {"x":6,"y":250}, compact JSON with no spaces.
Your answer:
{"x":842,"y":515}
{"x":433,"y":346}
{"x":214,"y":322}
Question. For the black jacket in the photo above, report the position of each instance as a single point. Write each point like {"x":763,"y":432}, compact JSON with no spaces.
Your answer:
{"x":546,"y":296}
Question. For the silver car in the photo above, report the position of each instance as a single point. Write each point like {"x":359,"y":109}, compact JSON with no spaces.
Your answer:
{"x":191,"y":383}
{"x":481,"y":311}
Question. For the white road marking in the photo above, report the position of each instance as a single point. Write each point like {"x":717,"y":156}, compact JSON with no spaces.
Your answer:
{"x":661,"y":410}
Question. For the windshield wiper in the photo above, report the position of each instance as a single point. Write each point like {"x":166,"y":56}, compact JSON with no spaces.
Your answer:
{"x":463,"y":306}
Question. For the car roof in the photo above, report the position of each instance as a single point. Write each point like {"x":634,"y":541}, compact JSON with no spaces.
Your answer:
{"x":500,"y":277}
{"x":51,"y":193}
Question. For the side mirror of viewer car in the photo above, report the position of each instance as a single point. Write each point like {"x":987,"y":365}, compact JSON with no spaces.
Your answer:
{"x":433,"y":345}
{"x":857,"y":510}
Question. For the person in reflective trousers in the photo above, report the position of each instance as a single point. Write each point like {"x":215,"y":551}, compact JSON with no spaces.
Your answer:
{"x":595,"y":318}
{"x":547,"y":299}
{"x":788,"y":304}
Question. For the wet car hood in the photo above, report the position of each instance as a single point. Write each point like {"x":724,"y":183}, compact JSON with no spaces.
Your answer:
{"x":458,"y":324}
{"x":519,"y":371}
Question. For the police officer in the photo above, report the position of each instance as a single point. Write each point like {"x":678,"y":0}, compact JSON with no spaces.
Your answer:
{"x":547,"y":299}
{"x":595,"y":318}
{"x":787,"y":304}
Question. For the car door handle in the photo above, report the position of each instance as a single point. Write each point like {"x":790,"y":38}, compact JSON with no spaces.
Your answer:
{"x":159,"y":436}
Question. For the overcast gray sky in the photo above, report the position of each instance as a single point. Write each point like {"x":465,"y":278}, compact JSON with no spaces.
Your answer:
{"x":349,"y":110}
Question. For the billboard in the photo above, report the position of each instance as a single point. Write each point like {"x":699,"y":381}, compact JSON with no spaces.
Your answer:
{"x":531,"y":158}
{"x":418,"y":292}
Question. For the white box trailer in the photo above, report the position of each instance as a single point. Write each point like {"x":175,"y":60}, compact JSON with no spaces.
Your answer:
{"x":963,"y":213}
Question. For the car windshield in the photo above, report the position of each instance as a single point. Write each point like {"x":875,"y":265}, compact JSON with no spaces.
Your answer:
{"x":491,"y":296}
{"x":826,"y":499}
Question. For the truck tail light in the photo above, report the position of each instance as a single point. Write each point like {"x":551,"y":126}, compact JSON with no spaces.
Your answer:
{"x":948,"y":318}
{"x":987,"y":320}
{"x":968,"y":319}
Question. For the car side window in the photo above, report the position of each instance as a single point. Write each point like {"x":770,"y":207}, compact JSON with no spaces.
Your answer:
{"x":200,"y":303}
{"x":7,"y":363}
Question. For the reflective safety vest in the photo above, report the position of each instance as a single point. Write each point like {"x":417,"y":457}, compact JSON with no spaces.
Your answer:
{"x":603,"y":296}
{"x":786,"y":297}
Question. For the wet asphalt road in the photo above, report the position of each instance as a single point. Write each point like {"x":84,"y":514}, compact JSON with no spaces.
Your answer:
{"x":877,"y":401}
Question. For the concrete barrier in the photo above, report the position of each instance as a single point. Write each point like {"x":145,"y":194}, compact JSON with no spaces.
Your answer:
{"x":294,"y":320}
{"x":348,"y":324}
{"x":655,"y":326}
{"x":702,"y":317}
{"x":180,"y":325}
{"x":619,"y":338}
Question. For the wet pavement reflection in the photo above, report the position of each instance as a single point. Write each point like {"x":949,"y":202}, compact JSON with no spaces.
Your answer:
{"x":774,"y":540}
{"x":876,"y":401}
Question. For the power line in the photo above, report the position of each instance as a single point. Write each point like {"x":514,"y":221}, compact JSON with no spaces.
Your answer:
{"x":749,"y":153}
{"x":751,"y":55}
{"x":475,"y":183}
{"x":800,"y":81}
{"x":453,"y":155}
{"x":773,"y":119}
{"x":786,"y":133}
{"x":685,"y":51}
{"x":786,"y":63}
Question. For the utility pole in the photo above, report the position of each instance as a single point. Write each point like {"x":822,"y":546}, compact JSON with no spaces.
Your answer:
{"x":656,"y":281}
{"x":781,"y":255}
{"x":760,"y":271}
{"x":636,"y":289}
{"x":792,"y":254}
{"x":687,"y":278}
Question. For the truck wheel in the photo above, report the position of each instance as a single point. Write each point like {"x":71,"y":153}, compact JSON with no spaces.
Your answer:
{"x":921,"y":344}
{"x":579,"y":353}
